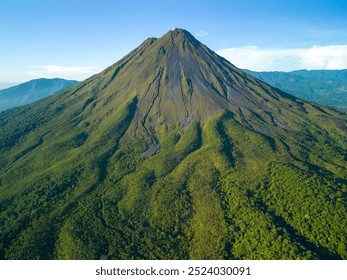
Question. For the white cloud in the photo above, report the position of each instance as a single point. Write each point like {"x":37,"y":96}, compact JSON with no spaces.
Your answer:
{"x":67,"y":72}
{"x":201,"y":33}
{"x":316,"y":57}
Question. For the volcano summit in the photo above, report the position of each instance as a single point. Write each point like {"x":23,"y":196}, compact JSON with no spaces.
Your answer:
{"x":173,"y":153}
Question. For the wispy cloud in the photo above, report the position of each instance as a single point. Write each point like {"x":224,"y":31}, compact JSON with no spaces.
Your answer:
{"x":67,"y":72}
{"x":201,"y":33}
{"x":315,"y":57}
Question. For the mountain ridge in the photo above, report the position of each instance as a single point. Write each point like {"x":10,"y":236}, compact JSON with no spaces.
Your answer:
{"x":31,"y":91}
{"x":173,"y":153}
{"x":326,"y":87}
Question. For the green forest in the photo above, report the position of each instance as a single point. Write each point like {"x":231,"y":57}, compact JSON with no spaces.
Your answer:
{"x":214,"y":192}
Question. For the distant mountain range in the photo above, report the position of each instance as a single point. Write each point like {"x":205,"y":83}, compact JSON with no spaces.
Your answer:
{"x":327,"y":87}
{"x":31,"y":91}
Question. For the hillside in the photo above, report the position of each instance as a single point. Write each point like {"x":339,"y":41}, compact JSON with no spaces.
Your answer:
{"x":326,"y":87}
{"x":173,"y":153}
{"x":31,"y":91}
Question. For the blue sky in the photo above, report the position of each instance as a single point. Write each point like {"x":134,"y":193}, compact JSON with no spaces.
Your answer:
{"x":74,"y":39}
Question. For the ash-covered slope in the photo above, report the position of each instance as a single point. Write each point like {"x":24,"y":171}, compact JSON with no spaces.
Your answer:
{"x":173,"y":153}
{"x":176,"y":80}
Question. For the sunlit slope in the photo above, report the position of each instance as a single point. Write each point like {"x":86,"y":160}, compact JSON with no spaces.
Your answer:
{"x":173,"y":153}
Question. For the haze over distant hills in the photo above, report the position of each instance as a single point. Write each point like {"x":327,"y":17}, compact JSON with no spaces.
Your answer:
{"x":173,"y":153}
{"x":7,"y":85}
{"x":327,"y":87}
{"x":31,"y":91}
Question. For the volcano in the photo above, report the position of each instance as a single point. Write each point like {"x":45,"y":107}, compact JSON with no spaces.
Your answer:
{"x":173,"y":153}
